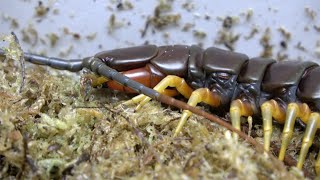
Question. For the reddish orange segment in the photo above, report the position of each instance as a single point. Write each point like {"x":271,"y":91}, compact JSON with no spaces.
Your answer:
{"x":142,"y":75}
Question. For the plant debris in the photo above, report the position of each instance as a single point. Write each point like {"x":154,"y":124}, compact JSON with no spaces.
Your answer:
{"x":252,"y":33}
{"x":75,"y":35}
{"x":265,"y":42}
{"x":249,"y":14}
{"x":13,"y":22}
{"x":300,"y":46}
{"x":199,"y":34}
{"x":226,"y":36}
{"x":282,"y":56}
{"x":283,"y":44}
{"x":41,"y":10}
{"x":53,"y":38}
{"x":310,"y":13}
{"x":162,"y":17}
{"x":124,"y":5}
{"x":113,"y":24}
{"x":228,"y":22}
{"x":187,"y":27}
{"x":165,"y":20}
{"x":285,"y":33}
{"x":30,"y":35}
{"x":189,"y":6}
{"x":91,"y":36}
{"x":66,"y":51}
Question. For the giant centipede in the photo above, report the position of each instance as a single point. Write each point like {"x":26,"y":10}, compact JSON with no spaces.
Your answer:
{"x":286,"y":92}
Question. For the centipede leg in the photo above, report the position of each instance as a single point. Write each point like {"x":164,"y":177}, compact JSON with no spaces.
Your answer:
{"x":95,"y":79}
{"x":270,"y":109}
{"x":169,"y":81}
{"x":293,"y":112}
{"x":139,"y":98}
{"x":197,"y":96}
{"x":89,"y":80}
{"x":239,"y":108}
{"x":313,"y":123}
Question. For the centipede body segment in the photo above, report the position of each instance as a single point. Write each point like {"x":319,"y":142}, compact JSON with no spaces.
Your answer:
{"x":287,"y":92}
{"x":232,"y":82}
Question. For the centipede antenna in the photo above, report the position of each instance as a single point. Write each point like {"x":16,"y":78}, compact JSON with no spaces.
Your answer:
{"x":73,"y":65}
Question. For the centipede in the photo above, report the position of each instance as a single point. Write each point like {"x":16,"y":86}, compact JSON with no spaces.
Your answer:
{"x":285,"y":92}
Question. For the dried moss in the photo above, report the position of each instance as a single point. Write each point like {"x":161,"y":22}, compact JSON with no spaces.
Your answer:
{"x":49,"y":131}
{"x":162,"y":17}
{"x":267,"y":46}
{"x":226,"y":35}
{"x":113,"y":23}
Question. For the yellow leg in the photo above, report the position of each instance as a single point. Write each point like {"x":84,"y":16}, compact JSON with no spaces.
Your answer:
{"x":291,"y":116}
{"x":197,"y":96}
{"x":270,"y":109}
{"x":294,"y":111}
{"x":239,"y":108}
{"x":169,"y":81}
{"x":141,"y":97}
{"x":95,"y":80}
{"x":88,"y":81}
{"x":308,"y":137}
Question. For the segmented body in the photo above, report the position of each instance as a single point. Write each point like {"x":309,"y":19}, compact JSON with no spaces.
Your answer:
{"x":283,"y":91}
{"x":231,"y":75}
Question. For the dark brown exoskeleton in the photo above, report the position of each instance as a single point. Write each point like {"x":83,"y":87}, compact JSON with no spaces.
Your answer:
{"x":227,"y":81}
{"x":280,"y":91}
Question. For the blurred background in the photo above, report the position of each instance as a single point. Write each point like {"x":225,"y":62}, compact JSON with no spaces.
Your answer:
{"x":70,"y":29}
